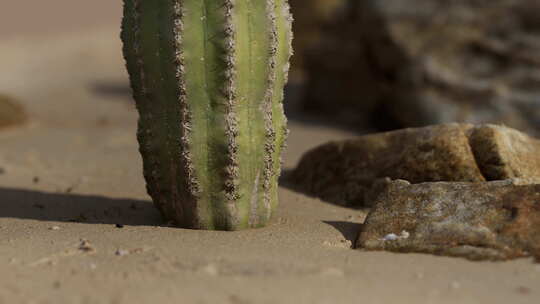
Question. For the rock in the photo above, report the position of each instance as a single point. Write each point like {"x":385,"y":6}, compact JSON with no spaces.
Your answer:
{"x":11,"y":113}
{"x":354,"y":172}
{"x":430,"y":62}
{"x":490,"y":220}
{"x":343,"y":172}
{"x":504,"y":153}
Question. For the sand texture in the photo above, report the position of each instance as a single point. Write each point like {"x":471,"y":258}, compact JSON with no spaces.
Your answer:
{"x":73,"y":172}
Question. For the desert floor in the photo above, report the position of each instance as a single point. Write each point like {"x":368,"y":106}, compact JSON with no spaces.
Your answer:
{"x":73,"y":172}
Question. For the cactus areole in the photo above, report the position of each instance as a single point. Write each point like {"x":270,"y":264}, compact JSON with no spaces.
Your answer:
{"x":208,"y":77}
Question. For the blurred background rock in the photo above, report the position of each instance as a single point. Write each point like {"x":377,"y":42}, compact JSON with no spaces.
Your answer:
{"x":11,"y":113}
{"x":387,"y":64}
{"x":372,"y":64}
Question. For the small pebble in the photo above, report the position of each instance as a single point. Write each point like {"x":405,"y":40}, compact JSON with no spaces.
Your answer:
{"x":523,"y":290}
{"x":86,"y":246}
{"x":35,"y":179}
{"x":346,"y":243}
{"x":54,"y":228}
{"x":393,"y":237}
{"x":2,"y":170}
{"x":121,"y":252}
{"x":119,"y":226}
{"x":390,"y":237}
{"x":137,"y":250}
{"x":327,"y":243}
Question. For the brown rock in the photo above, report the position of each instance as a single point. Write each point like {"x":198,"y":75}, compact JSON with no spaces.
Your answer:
{"x":420,"y":62}
{"x":492,"y":220}
{"x":353,"y":172}
{"x":11,"y":113}
{"x":504,"y":153}
{"x":343,"y":172}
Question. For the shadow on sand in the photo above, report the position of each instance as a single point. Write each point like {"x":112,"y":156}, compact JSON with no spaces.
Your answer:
{"x":64,"y":207}
{"x":111,"y":89}
{"x":349,"y":230}
{"x":287,"y":180}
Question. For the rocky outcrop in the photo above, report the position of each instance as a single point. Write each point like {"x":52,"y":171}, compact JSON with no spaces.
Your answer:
{"x":491,"y":220}
{"x":353,"y":172}
{"x":420,"y":62}
{"x":11,"y":113}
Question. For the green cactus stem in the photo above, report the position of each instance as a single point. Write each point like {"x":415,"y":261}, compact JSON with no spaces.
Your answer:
{"x":208,"y":78}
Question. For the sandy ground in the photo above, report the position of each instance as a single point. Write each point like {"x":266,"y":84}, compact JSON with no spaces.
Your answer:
{"x":77,"y":161}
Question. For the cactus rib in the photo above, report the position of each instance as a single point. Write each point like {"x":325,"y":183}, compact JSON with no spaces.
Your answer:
{"x":208,"y":77}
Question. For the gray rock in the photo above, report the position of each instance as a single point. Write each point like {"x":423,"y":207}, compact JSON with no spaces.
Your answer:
{"x":353,"y":172}
{"x":490,"y":220}
{"x":420,"y":62}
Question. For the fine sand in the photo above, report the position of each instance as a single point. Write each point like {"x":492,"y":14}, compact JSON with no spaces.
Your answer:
{"x":73,"y":172}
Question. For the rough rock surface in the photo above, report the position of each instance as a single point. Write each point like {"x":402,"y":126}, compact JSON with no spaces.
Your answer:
{"x":11,"y":113}
{"x":492,"y":220}
{"x":342,"y":172}
{"x":353,"y":172}
{"x":504,"y":153}
{"x":431,"y":61}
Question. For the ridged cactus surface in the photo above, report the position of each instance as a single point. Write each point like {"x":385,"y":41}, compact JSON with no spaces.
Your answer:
{"x":208,"y":78}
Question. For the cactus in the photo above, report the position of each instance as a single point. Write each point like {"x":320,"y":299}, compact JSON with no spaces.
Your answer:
{"x":208,"y":77}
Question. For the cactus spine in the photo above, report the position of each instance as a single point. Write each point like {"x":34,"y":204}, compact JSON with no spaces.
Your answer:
{"x":208,"y":78}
